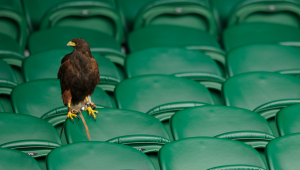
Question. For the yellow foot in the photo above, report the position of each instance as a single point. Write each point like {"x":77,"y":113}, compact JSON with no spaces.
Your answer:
{"x":91,"y":112}
{"x":71,"y":115}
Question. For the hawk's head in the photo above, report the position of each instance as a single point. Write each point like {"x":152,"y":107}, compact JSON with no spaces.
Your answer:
{"x":78,"y":43}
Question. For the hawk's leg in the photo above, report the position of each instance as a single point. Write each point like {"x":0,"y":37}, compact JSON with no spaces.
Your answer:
{"x":72,"y":113}
{"x":89,"y":108}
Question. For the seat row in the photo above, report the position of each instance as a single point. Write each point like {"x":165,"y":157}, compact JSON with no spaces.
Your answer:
{"x":203,"y":153}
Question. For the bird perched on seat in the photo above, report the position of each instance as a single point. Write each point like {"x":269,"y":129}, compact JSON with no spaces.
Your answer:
{"x":79,"y":76}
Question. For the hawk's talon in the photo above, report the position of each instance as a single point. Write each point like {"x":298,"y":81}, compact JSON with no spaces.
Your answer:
{"x":71,"y":114}
{"x":91,"y":112}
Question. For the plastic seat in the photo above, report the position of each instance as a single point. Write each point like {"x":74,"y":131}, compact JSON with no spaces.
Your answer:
{"x":257,"y":57}
{"x":99,"y":15}
{"x":287,"y":120}
{"x":263,"y":92}
{"x":15,"y":160}
{"x":283,"y":152}
{"x":57,"y":38}
{"x":12,"y":21}
{"x":28,"y":134}
{"x":179,"y":62}
{"x":160,"y":95}
{"x":176,"y":36}
{"x":189,"y":13}
{"x":135,"y":129}
{"x":260,"y":33}
{"x":97,"y":155}
{"x":34,"y":70}
{"x":286,"y":12}
{"x":42,"y":98}
{"x":209,"y":153}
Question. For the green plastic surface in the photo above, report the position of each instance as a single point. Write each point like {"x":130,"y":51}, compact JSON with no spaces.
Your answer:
{"x":204,"y":153}
{"x":7,"y":77}
{"x":16,"y":160}
{"x":97,"y":155}
{"x":34,"y":70}
{"x":210,"y":121}
{"x":287,"y":120}
{"x":283,"y":153}
{"x":6,"y":103}
{"x":257,"y":57}
{"x":189,"y":13}
{"x":164,"y":60}
{"x":143,"y":93}
{"x":27,"y":132}
{"x":112,"y":123}
{"x":40,"y":96}
{"x":250,"y":90}
{"x":258,"y":32}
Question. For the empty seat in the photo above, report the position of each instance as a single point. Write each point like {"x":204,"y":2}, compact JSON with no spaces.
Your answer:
{"x":34,"y":70}
{"x":57,"y":38}
{"x":205,"y":153}
{"x":139,"y":130}
{"x":259,"y":32}
{"x":175,"y":61}
{"x":176,"y":36}
{"x":29,"y":134}
{"x":257,"y":57}
{"x":189,"y":13}
{"x":38,"y":97}
{"x":97,"y":155}
{"x":286,"y":12}
{"x":222,"y":122}
{"x":160,"y":95}
{"x":12,"y":21}
{"x":262,"y":92}
{"x":283,"y":152}
{"x":99,"y":15}
{"x":287,"y":120}
{"x":16,"y":160}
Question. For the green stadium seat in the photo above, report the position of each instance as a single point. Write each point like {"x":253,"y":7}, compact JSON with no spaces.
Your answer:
{"x":188,"y":13}
{"x":141,"y":131}
{"x":57,"y":38}
{"x":1,"y":107}
{"x":34,"y":70}
{"x":16,"y":160}
{"x":287,"y":120}
{"x":208,"y":153}
{"x":12,"y":21}
{"x":42,"y":99}
{"x":263,"y":92}
{"x":257,"y":57}
{"x":283,"y":152}
{"x":286,"y":12}
{"x":260,"y":33}
{"x":99,"y":15}
{"x":28,"y":134}
{"x":160,"y":95}
{"x":176,"y":36}
{"x":97,"y":155}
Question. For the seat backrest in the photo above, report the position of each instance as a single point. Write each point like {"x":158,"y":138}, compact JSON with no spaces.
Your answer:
{"x":40,"y":96}
{"x":21,"y":128}
{"x":112,"y":123}
{"x":33,"y":70}
{"x":97,"y":155}
{"x":257,"y":57}
{"x":205,"y":153}
{"x":215,"y":120}
{"x":143,"y":93}
{"x":15,"y":160}
{"x":287,"y":120}
{"x":283,"y":152}
{"x":250,"y":90}
{"x":7,"y":76}
{"x":165,"y":60}
{"x":286,"y":12}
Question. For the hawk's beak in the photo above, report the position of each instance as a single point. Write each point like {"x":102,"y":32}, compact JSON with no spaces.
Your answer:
{"x":70,"y":43}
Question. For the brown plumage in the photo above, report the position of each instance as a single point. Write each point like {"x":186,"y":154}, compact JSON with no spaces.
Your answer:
{"x":78,"y":73}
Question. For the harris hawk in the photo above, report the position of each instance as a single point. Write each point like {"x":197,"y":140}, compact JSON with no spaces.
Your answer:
{"x":79,"y":76}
